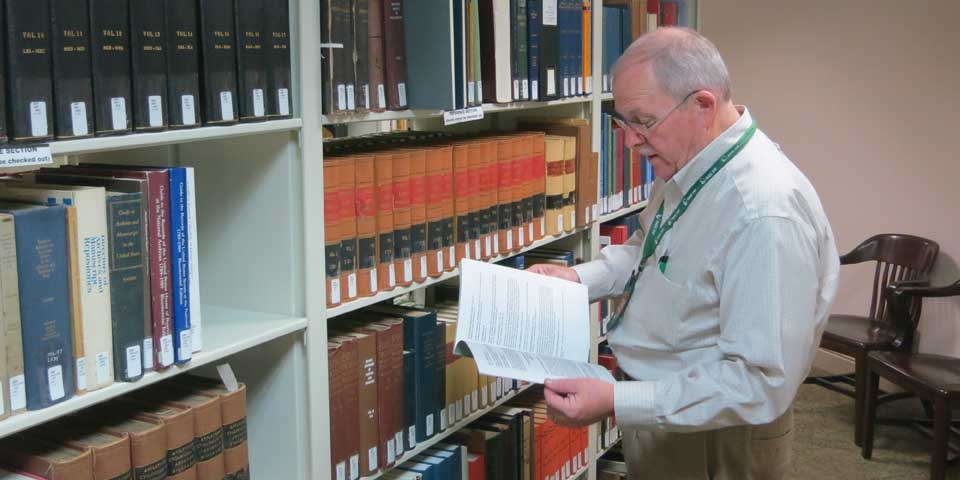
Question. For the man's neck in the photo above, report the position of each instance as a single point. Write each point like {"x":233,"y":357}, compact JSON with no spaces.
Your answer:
{"x":726,"y":117}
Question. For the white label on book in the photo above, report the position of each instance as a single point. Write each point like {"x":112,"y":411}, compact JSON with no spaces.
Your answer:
{"x":452,"y":413}
{"x":510,"y":239}
{"x":439,"y":259}
{"x":586,"y":214}
{"x":520,"y":241}
{"x":392,"y":274}
{"x":475,"y":399}
{"x":226,"y":105}
{"x":352,"y":285}
{"x":398,"y":442}
{"x":496,"y":244}
{"x":596,"y":210}
{"x":573,"y":218}
{"x":103,"y":368}
{"x":566,"y":86}
{"x":530,"y":233}
{"x":188,"y":110}
{"x":498,"y":388}
{"x":391,"y":451}
{"x":452,"y":255}
{"x":38,"y":119}
{"x":402,"y":93}
{"x":354,"y":467}
{"x":483,"y":395}
{"x":341,"y":97}
{"x":443,"y":419}
{"x":589,"y":83}
{"x":351,"y":103}
{"x":166,"y":350}
{"x":81,"y":373}
{"x":466,"y":404}
{"x":560,"y":222}
{"x":479,"y":91}
{"x":118,"y":112}
{"x":342,"y":471}
{"x":18,"y":393}
{"x":470,"y":93}
{"x":412,"y":437}
{"x":466,"y":252}
{"x":534,"y":90}
{"x":462,"y":115}
{"x":549,"y":12}
{"x":476,"y":249}
{"x":78,"y":115}
{"x":458,"y":411}
{"x":283,"y":101}
{"x":429,"y":423}
{"x":147,"y":353}
{"x":543,"y":226}
{"x":134,"y":362}
{"x":580,"y":85}
{"x":605,"y":79}
{"x":423,"y":266}
{"x":366,"y":96}
{"x":525,"y":89}
{"x":155,"y":110}
{"x":186,"y":346}
{"x":372,"y":458}
{"x":373,"y":279}
{"x":516,"y":90}
{"x":551,"y":80}
{"x":335,"y":291}
{"x":408,"y":270}
{"x":55,"y":380}
{"x":487,"y":246}
{"x":381,"y":96}
{"x":259,"y":109}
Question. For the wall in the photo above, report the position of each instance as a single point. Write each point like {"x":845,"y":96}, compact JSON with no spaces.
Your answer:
{"x":862,"y":96}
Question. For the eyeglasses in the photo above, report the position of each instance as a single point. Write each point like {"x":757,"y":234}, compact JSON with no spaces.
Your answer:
{"x":643,"y":129}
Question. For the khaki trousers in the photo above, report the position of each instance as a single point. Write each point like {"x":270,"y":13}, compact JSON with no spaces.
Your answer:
{"x":759,"y":452}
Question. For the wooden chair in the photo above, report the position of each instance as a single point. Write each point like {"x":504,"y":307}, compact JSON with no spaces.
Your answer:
{"x":898,"y":258}
{"x":935,"y":379}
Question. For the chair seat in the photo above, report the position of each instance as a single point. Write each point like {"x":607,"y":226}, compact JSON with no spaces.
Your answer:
{"x":938,"y":374}
{"x":860,"y":332}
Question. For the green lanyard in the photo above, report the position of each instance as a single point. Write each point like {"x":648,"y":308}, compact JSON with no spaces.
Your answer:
{"x":658,"y":230}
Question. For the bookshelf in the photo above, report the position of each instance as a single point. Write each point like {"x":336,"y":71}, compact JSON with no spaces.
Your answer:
{"x":261,"y":232}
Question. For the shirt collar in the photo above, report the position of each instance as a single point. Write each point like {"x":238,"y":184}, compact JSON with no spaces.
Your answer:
{"x":695,"y":168}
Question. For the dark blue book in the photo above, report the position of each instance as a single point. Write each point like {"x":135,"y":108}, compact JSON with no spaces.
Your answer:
{"x":534,"y":25}
{"x":127,"y":282}
{"x":180,"y":264}
{"x":516,"y":262}
{"x":409,"y":400}
{"x":426,"y":470}
{"x":440,"y":463}
{"x":41,"y":236}
{"x":460,"y":55}
{"x":451,"y":453}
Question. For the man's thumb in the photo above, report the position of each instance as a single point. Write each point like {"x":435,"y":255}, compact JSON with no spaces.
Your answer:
{"x":559,"y":385}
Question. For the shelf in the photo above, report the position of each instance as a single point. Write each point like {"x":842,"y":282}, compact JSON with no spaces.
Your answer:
{"x":606,"y":96}
{"x":140,"y":140}
{"x":354,"y":117}
{"x":396,"y":292}
{"x":225,"y":332}
{"x":603,"y":451}
{"x":446,"y":433}
{"x":623,"y":211}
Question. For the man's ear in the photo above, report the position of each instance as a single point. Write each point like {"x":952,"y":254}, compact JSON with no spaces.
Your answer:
{"x":705,"y":101}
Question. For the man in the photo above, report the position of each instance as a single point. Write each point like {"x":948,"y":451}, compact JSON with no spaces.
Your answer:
{"x":729,"y":282}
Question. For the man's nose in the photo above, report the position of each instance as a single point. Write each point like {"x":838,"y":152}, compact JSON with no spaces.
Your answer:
{"x":633,"y":139}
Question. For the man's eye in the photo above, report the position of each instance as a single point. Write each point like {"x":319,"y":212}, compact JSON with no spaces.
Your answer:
{"x":648,"y":123}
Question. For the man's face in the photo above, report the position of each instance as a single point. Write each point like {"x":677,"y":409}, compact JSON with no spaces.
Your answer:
{"x":670,"y":144}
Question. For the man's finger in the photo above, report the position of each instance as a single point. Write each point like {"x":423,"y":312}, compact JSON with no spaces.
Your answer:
{"x":561,"y":385}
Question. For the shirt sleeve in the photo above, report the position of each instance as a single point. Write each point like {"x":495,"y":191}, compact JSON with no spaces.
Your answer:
{"x":768,"y":288}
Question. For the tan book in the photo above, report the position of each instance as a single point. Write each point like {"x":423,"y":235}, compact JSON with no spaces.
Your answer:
{"x":233,"y":419}
{"x":569,"y":183}
{"x":208,"y":434}
{"x":111,"y":453}
{"x":76,"y":313}
{"x":367,"y":421}
{"x":332,"y":235}
{"x":46,"y":459}
{"x":8,"y":281}
{"x":554,"y":149}
{"x":179,"y":427}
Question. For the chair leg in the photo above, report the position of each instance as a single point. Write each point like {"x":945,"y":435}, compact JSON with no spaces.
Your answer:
{"x":859,"y":396}
{"x":870,"y":413}
{"x":941,"y":436}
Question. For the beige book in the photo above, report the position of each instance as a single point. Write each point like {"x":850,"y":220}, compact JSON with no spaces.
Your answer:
{"x":91,"y":270}
{"x":46,"y":459}
{"x":569,"y":183}
{"x":554,"y":151}
{"x":6,"y":222}
{"x":15,"y":393}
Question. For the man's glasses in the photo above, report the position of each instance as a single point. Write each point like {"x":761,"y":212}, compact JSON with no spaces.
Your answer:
{"x":643,"y":129}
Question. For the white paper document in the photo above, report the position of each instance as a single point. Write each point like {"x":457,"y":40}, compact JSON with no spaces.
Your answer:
{"x":522,"y":325}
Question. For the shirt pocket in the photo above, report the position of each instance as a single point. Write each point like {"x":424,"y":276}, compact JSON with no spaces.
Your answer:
{"x":658,"y":311}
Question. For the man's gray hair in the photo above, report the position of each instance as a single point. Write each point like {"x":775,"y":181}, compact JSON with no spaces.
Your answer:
{"x":682,"y":60}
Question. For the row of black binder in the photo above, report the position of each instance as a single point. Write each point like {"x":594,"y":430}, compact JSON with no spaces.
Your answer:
{"x":78,"y":68}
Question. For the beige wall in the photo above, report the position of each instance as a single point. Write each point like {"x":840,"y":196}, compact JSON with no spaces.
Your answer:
{"x":864,"y":96}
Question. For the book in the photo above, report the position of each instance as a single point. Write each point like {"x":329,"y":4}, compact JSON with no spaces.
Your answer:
{"x":251,"y":60}
{"x":367,"y":422}
{"x":418,"y":214}
{"x":110,"y":60}
{"x":193,"y":261}
{"x":41,"y":240}
{"x":429,"y":51}
{"x":360,"y":36}
{"x":127,"y":282}
{"x":109,"y":453}
{"x":29,"y":68}
{"x":347,"y":213}
{"x":344,"y":392}
{"x":493,"y":298}
{"x":374,"y":55}
{"x":3,"y":78}
{"x":218,"y":62}
{"x":207,"y":430}
{"x":394,"y":54}
{"x":331,"y":231}
{"x":366,"y":208}
{"x":495,"y":55}
{"x":178,"y":426}
{"x":72,"y":77}
{"x":148,"y":57}
{"x":233,"y":417}
{"x":148,"y":442}
{"x":47,"y":459}
{"x":183,"y":63}
{"x":402,"y":243}
{"x":15,"y":396}
{"x":383,"y":200}
{"x":389,"y":335}
{"x":279,"y":76}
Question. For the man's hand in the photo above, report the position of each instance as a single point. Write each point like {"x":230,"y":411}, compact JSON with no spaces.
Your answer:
{"x":575,"y":402}
{"x":558,"y":271}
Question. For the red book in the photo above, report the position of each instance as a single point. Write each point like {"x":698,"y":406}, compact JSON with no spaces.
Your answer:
{"x":617,"y":233}
{"x":476,"y":466}
{"x":668,"y":14}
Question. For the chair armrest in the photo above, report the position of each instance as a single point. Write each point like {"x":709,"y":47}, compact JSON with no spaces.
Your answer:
{"x":922,"y":288}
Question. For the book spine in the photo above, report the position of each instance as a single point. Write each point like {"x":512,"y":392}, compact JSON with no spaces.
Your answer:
{"x":218,"y":62}
{"x":277,"y":31}
{"x":475,"y":194}
{"x":401,"y":218}
{"x":366,"y":227}
{"x":180,"y":266}
{"x":523,"y":46}
{"x":251,"y":60}
{"x":236,"y":457}
{"x":386,"y":271}
{"x":368,"y":418}
{"x":72,"y":78}
{"x":149,"y":65}
{"x":534,"y":26}
{"x":395,"y":64}
{"x":514,"y":40}
{"x":126,"y":284}
{"x":587,"y":47}
{"x":44,"y":306}
{"x":409,"y":398}
{"x":434,"y":178}
{"x":375,"y":55}
{"x":183,"y":63}
{"x":361,"y":66}
{"x":15,"y":394}
{"x":331,"y":231}
{"x":505,"y":226}
{"x":158,"y":251}
{"x":549,"y":51}
{"x":448,"y":214}
{"x":29,"y":69}
{"x":461,"y":189}
{"x":418,"y":215}
{"x":110,"y":58}
{"x":516,"y":193}
{"x":348,"y":229}
{"x":193,"y":263}
{"x":75,"y":302}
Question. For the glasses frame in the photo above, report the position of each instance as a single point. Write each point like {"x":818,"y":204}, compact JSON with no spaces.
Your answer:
{"x":642,"y":130}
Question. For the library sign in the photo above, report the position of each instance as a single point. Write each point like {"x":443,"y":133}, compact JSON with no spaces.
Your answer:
{"x":463,"y":115}
{"x":25,"y":155}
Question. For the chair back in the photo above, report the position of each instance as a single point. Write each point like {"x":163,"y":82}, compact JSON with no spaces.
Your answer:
{"x":898,"y":257}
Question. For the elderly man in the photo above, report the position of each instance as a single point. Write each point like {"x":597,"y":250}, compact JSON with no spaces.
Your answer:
{"x":728,"y":283}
